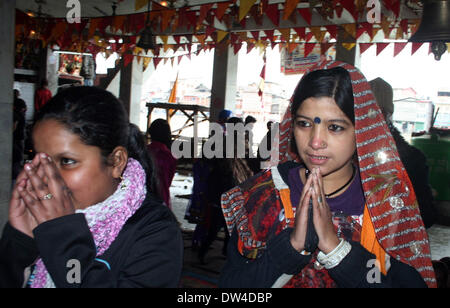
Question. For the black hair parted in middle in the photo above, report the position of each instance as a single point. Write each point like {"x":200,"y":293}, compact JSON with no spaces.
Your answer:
{"x":335,"y":83}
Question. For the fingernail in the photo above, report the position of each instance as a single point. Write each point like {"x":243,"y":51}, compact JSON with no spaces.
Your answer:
{"x":28,"y":167}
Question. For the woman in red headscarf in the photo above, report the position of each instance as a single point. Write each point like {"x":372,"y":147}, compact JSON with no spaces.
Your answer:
{"x":339,"y":209}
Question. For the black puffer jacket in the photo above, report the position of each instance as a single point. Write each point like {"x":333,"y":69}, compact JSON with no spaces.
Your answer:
{"x":148,"y":252}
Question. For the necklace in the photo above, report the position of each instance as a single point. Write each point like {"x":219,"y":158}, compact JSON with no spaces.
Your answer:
{"x":307,"y":172}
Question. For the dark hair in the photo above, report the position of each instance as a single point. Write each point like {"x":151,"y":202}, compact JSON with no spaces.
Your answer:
{"x":335,"y":83}
{"x":250,"y":119}
{"x":100,"y":120}
{"x":160,"y":131}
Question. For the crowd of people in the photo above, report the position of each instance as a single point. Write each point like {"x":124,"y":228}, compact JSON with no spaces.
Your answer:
{"x":347,"y":198}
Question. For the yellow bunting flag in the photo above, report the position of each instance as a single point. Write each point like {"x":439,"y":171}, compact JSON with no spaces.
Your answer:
{"x":349,"y":46}
{"x":244,"y":8}
{"x":139,"y":4}
{"x":221,"y":35}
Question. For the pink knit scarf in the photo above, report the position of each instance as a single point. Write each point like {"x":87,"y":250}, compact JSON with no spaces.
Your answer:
{"x":106,"y":219}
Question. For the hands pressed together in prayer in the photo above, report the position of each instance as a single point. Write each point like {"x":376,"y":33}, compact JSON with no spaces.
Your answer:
{"x":322,"y":218}
{"x":39,"y":195}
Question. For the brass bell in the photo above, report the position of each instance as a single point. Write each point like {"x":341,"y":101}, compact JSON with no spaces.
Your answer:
{"x":434,"y":26}
{"x":146,"y":41}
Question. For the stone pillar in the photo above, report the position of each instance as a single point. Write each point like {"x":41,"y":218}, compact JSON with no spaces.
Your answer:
{"x":7,"y":26}
{"x":224,"y":81}
{"x":351,"y":56}
{"x":130,"y":90}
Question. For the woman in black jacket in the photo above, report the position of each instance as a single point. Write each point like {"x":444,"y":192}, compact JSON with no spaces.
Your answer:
{"x":82,"y":213}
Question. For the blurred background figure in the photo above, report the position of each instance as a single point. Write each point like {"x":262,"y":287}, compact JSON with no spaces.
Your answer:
{"x":88,"y":70}
{"x":19,"y":111}
{"x":412,"y":158}
{"x":41,"y":96}
{"x":165,"y":164}
{"x":224,"y":174}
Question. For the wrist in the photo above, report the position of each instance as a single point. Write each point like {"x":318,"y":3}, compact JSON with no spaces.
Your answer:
{"x":333,"y":258}
{"x":297,"y":245}
{"x":330,"y":245}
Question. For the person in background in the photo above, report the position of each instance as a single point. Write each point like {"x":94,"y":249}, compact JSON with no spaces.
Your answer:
{"x":19,"y":123}
{"x":253,"y":162}
{"x":88,"y":70}
{"x":165,"y":163}
{"x":224,"y":173}
{"x":41,"y":96}
{"x":412,"y":158}
{"x":86,"y":202}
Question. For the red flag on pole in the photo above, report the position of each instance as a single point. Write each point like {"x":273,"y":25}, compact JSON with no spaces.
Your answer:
{"x":263,"y":78}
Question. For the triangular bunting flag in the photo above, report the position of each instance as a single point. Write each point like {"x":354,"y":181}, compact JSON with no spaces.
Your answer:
{"x":350,"y":29}
{"x":301,"y":32}
{"x":309,"y":48}
{"x":292,"y":47}
{"x":139,"y":4}
{"x":398,"y":47}
{"x":221,"y":35}
{"x":332,"y":30}
{"x":269,"y":34}
{"x":285,"y":34}
{"x":244,"y":7}
{"x":289,"y":7}
{"x":273,"y":14}
{"x":381,"y":47}
{"x":324,"y":47}
{"x":363,"y":47}
{"x":306,"y":15}
{"x":221,"y":9}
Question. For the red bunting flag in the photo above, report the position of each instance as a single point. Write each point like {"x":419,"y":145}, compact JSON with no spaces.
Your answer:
{"x":301,"y":32}
{"x":381,"y":47}
{"x":309,"y":48}
{"x":415,"y":47}
{"x":398,"y":47}
{"x":263,"y":78}
{"x":363,"y":47}
{"x":273,"y":14}
{"x":306,"y":15}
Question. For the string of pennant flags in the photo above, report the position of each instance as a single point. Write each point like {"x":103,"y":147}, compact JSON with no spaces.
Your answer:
{"x":120,"y":33}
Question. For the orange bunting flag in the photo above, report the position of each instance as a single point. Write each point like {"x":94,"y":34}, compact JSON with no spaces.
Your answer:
{"x":289,"y":7}
{"x":286,"y":34}
{"x":350,"y":29}
{"x":173,"y":93}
